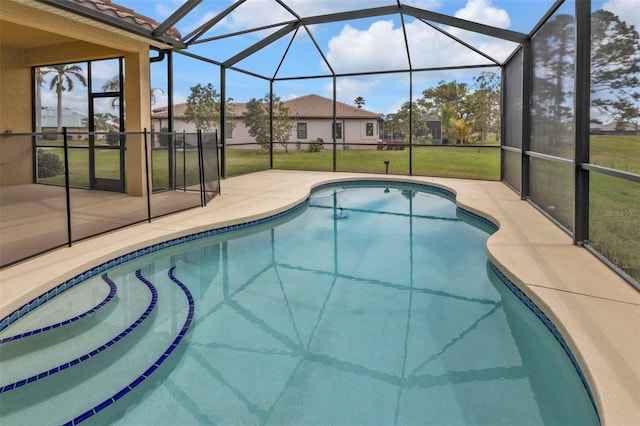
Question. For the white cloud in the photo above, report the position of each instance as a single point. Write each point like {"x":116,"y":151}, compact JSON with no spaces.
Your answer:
{"x":313,"y":8}
{"x":261,"y":12}
{"x":347,"y":89}
{"x":627,"y":10}
{"x":379,"y":47}
{"x":164,"y":9}
{"x":424,"y":4}
{"x":382,"y":47}
{"x":256,"y":14}
{"x":104,"y":70}
{"x":483,"y":12}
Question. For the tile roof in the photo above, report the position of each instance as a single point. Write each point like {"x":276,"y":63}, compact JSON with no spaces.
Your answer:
{"x":308,"y":106}
{"x":129,"y":15}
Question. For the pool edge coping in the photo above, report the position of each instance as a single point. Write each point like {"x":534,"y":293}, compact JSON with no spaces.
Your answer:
{"x":603,"y":400}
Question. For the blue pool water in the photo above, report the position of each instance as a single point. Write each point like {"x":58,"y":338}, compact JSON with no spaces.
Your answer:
{"x":366,"y":305}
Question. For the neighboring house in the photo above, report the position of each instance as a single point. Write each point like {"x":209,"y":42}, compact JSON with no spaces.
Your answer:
{"x":311,"y":116}
{"x":74,"y":121}
{"x":615,"y":129}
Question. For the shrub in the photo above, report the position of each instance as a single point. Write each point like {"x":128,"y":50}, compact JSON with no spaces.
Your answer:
{"x":113,"y":139}
{"x":163,"y":137}
{"x":49,"y":164}
{"x":316,"y":145}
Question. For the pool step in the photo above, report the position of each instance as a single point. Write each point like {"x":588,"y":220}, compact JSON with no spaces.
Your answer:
{"x":35,"y":356}
{"x":122,"y":362}
{"x":78,"y":302}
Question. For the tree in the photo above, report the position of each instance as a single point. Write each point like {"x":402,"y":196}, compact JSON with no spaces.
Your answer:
{"x":62,"y":81}
{"x":447,"y":115}
{"x":615,"y":66}
{"x":461,"y":129}
{"x":257,"y":121}
{"x":105,"y":122}
{"x":552,"y":91}
{"x":447,"y":101}
{"x":282,"y":124}
{"x":359,"y":101}
{"x":392,"y":127}
{"x":39,"y":81}
{"x":258,"y":124}
{"x":484,"y":104}
{"x":203,"y":108}
{"x":113,"y":85}
{"x":400,"y":122}
{"x":451,"y":94}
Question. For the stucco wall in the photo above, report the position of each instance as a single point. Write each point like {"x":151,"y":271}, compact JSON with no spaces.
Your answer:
{"x":353,"y":131}
{"x":77,"y":39}
{"x":15,"y":116}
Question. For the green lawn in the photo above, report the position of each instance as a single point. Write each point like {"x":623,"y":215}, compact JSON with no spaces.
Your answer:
{"x":474,"y":163}
{"x":614,"y":216}
{"x":614,"y":221}
{"x":614,"y":203}
{"x":616,"y":152}
{"x":107,"y":167}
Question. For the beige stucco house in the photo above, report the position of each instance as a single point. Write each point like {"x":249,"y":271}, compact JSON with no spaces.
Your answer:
{"x":311,"y":116}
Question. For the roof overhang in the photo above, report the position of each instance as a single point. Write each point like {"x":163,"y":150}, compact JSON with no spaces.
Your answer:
{"x":159,"y":41}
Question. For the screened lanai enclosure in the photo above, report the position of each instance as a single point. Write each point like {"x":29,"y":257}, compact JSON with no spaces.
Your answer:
{"x":551,"y":108}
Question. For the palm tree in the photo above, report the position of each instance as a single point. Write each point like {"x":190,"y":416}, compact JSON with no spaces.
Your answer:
{"x":113,"y":85}
{"x":359,"y":101}
{"x":39,"y":81}
{"x":461,"y":129}
{"x":63,"y":81}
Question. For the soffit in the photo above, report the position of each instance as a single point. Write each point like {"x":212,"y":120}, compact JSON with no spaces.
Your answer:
{"x":18,"y":36}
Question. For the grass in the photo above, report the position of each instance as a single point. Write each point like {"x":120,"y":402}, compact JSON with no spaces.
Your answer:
{"x":616,"y":152}
{"x":107,"y":166}
{"x":473,"y":163}
{"x":614,"y":214}
{"x":614,"y":221}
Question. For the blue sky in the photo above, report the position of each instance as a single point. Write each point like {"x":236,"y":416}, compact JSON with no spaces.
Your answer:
{"x":349,"y":46}
{"x":373,"y":44}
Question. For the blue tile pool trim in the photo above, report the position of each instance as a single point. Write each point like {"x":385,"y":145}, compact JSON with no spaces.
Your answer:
{"x":76,"y":361}
{"x":547,"y":322}
{"x":185,"y":328}
{"x":34,"y":303}
{"x":391,"y":183}
{"x":112,"y":293}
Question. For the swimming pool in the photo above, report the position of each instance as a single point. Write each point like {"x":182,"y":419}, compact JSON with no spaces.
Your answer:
{"x":350,"y":310}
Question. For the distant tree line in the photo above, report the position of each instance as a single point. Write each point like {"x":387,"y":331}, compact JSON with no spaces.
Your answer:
{"x":463,"y":110}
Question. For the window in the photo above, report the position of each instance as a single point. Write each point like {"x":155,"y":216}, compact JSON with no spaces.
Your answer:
{"x":228,"y":132}
{"x":369,"y":129}
{"x":338,"y":130}
{"x":302,"y":130}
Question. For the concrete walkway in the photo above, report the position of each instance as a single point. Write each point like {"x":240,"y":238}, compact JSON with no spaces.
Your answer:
{"x":596,"y":311}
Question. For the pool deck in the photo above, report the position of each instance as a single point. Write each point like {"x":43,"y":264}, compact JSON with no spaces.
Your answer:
{"x":595,"y":310}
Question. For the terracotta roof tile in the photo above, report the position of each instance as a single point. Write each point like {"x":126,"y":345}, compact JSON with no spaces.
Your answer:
{"x":315,"y":106}
{"x":117,"y":11}
{"x":308,"y":106}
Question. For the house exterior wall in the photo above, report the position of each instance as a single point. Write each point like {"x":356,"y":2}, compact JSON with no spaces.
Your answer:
{"x":84,"y":40}
{"x":16,"y":165}
{"x":353,"y":131}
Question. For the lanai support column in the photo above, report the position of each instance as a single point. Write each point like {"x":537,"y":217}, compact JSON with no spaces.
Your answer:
{"x":137,"y":100}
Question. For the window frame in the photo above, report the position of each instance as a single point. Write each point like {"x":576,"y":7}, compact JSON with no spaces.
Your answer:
{"x":337,"y":126}
{"x":368,"y":129}
{"x":301,"y":129}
